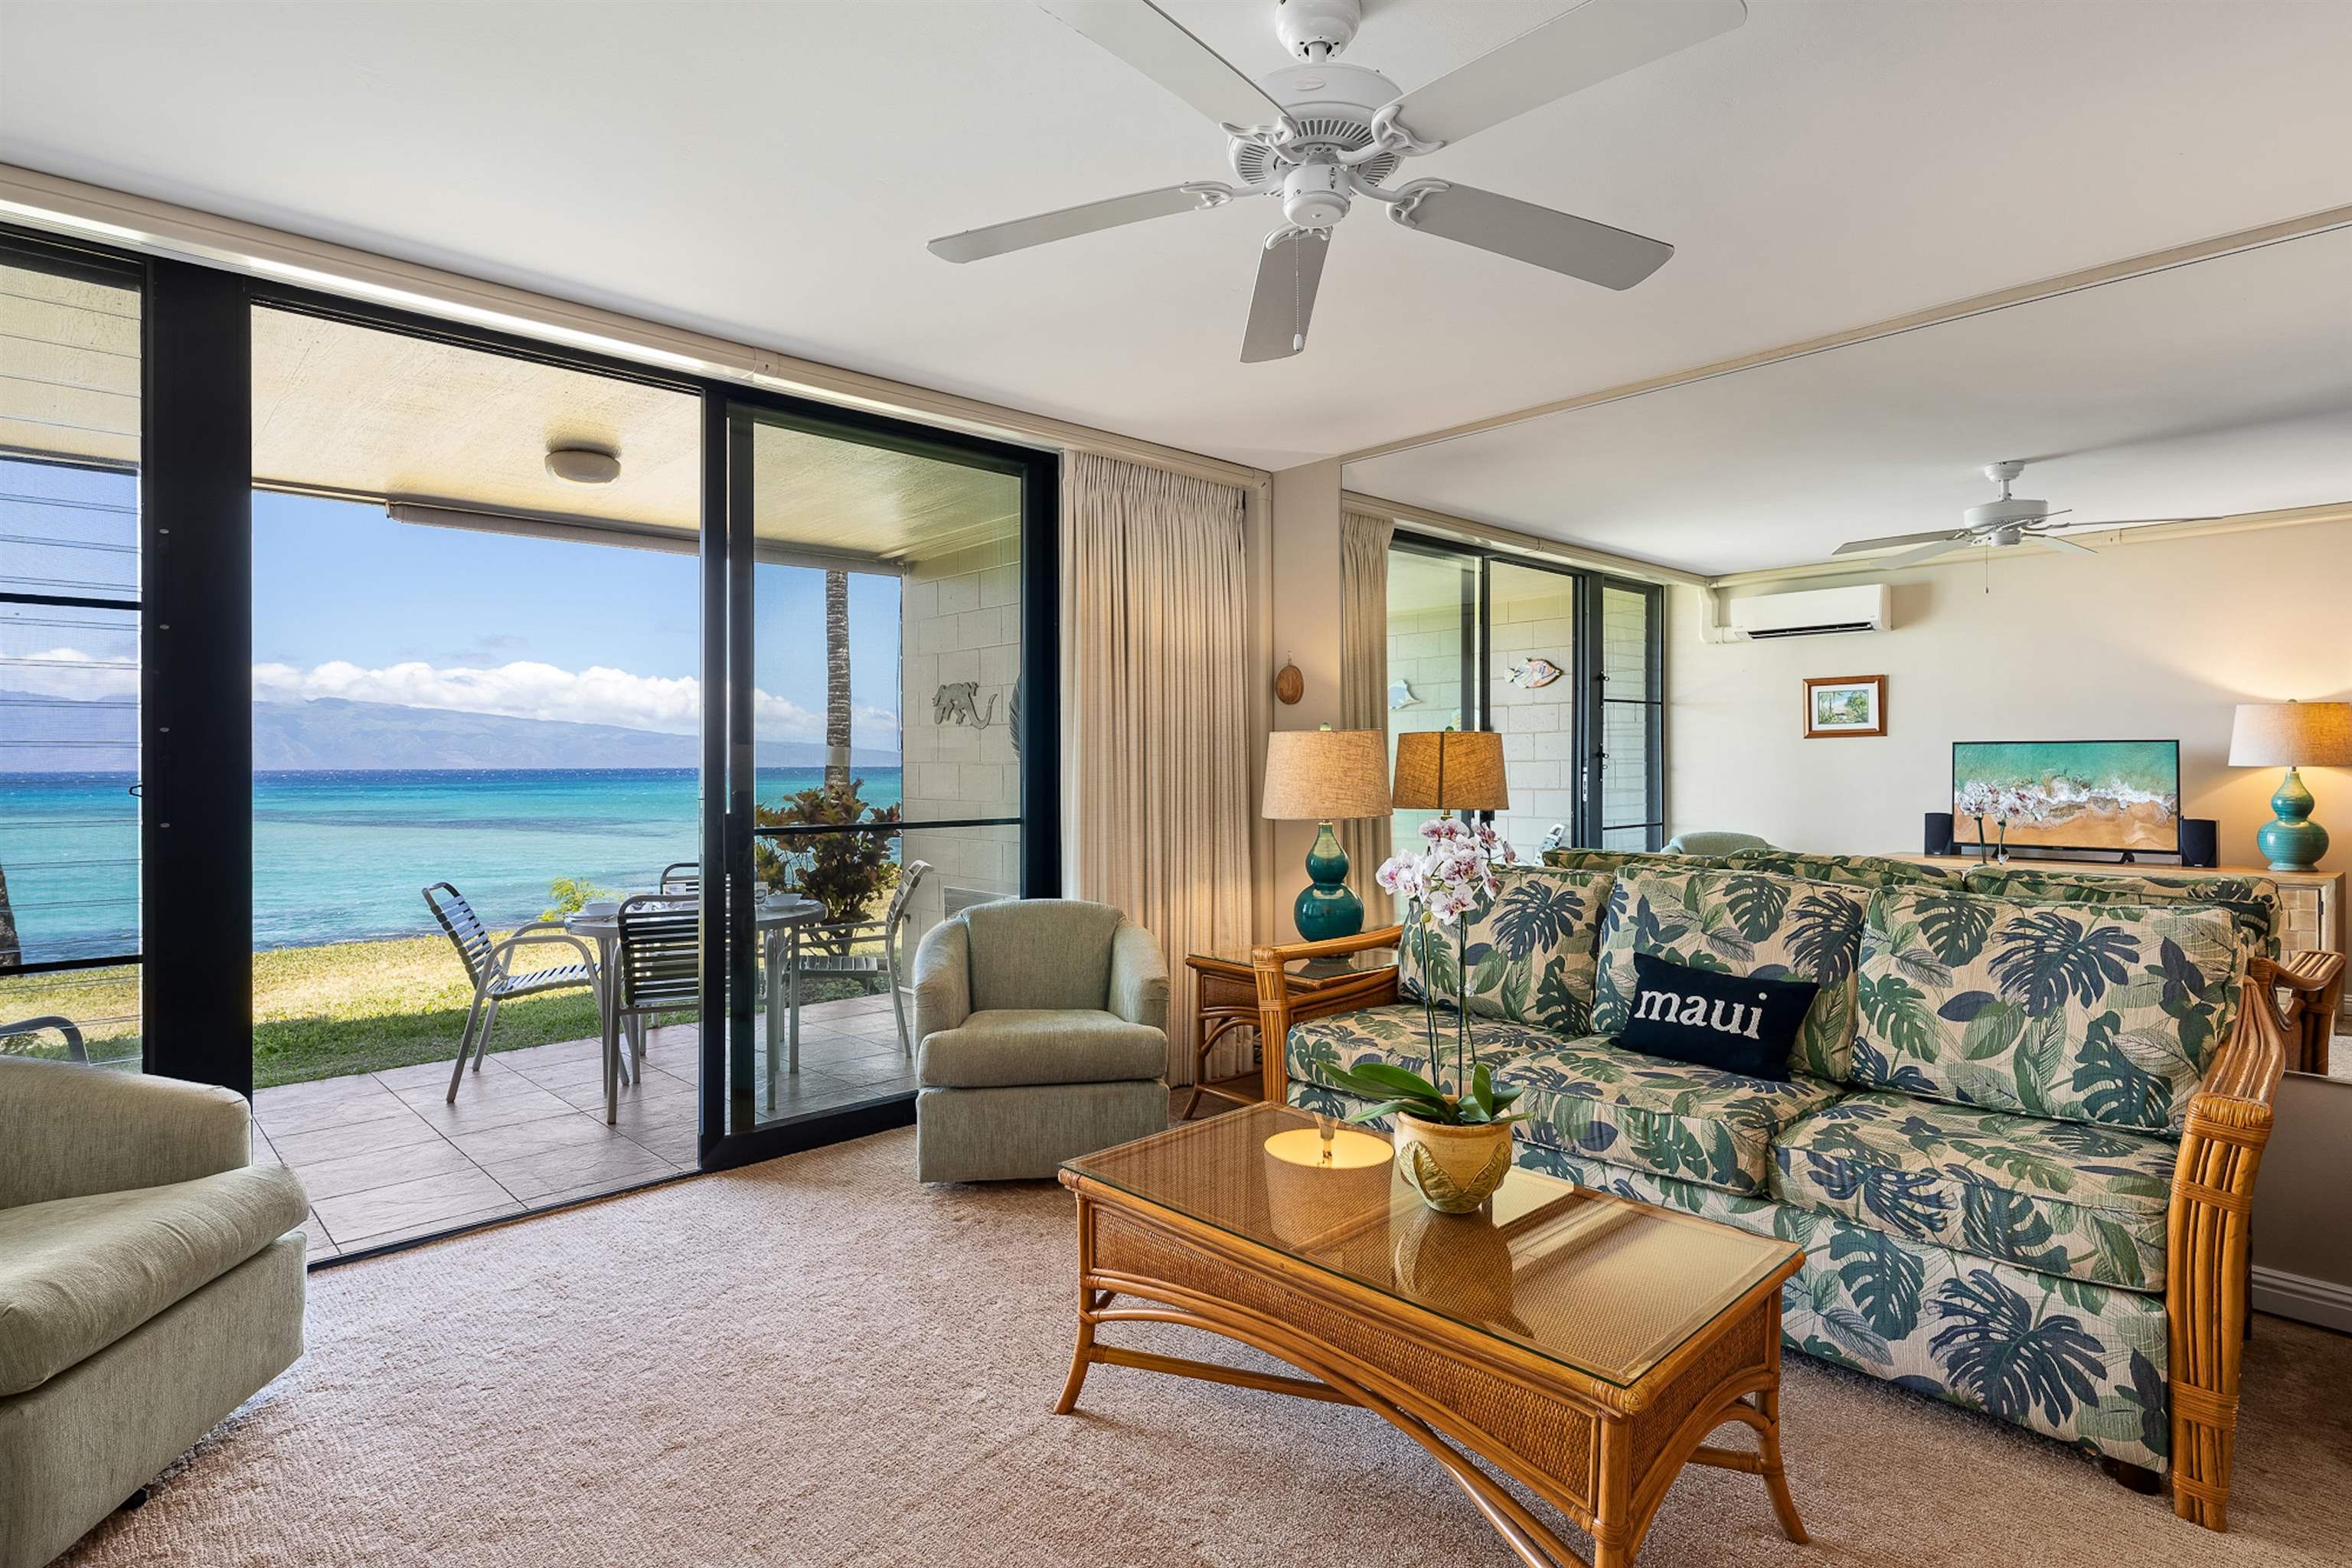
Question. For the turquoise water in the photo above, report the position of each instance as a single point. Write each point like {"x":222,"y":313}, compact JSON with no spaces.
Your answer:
{"x":2133,"y":768}
{"x":340,"y":856}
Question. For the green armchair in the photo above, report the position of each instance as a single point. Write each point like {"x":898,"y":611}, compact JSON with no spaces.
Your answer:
{"x":1041,"y":1030}
{"x":151,"y":1281}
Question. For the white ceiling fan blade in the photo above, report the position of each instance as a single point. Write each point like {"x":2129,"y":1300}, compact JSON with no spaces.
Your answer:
{"x":1556,"y":241}
{"x":1152,"y":42}
{"x":2064,"y":543}
{"x":1597,"y":40}
{"x":1889,"y":541}
{"x":1067,"y":223}
{"x":1944,"y":546}
{"x":1288,"y":271}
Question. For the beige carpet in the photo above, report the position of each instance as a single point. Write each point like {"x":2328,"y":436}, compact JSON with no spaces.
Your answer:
{"x":816,"y":1362}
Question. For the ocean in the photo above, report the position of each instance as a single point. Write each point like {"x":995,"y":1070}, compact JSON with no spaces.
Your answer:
{"x":344,"y":857}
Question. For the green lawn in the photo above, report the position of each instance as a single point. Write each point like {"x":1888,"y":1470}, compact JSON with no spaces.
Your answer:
{"x":326,"y":1012}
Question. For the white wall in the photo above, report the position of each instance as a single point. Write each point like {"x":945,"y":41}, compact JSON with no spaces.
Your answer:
{"x":1305,"y":632}
{"x":2145,"y":641}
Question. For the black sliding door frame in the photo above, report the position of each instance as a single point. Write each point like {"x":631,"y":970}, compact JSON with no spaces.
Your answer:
{"x":732,"y":1133}
{"x":1594,"y":826}
{"x":196,"y":710}
{"x":197,"y":614}
{"x":1587,"y":824}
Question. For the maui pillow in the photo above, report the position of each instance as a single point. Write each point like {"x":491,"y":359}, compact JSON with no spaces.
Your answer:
{"x":1733,"y":1022}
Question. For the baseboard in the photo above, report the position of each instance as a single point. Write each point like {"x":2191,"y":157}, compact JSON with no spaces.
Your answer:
{"x":2303,"y":1299}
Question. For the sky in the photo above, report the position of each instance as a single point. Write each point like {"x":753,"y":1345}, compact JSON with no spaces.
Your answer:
{"x":347,"y":603}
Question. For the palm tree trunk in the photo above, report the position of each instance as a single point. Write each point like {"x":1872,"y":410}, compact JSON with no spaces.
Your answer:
{"x":836,"y":679}
{"x":11,"y":953}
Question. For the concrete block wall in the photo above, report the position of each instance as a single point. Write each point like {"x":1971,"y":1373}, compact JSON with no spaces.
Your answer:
{"x":1624,"y":782}
{"x":1537,"y":725}
{"x":1424,"y":650}
{"x":960,"y":620}
{"x":1535,"y":617}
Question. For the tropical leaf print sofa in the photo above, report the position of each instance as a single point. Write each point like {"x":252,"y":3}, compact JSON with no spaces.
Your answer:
{"x":2017,"y":1143}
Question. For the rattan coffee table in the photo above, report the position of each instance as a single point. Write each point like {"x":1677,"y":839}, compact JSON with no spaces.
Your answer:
{"x":1581,"y":1344}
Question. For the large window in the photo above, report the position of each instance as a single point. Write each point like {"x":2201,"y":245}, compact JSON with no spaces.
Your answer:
{"x":1566,"y":665}
{"x":69,"y":610}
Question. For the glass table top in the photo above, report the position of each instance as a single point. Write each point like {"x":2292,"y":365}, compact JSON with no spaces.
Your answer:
{"x":1608,"y":1287}
{"x":1337,"y":966}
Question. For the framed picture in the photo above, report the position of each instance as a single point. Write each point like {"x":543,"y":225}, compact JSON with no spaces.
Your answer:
{"x":1846,"y":705}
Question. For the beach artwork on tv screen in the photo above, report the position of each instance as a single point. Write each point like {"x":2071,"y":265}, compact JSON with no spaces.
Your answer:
{"x":2074,"y":795}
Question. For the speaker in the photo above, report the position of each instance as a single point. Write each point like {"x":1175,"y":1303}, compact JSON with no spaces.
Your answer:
{"x":2200,"y":841}
{"x":1939,"y":833}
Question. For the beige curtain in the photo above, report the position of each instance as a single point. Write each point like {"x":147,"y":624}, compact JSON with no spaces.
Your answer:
{"x":1156,"y":714}
{"x":1364,"y":686}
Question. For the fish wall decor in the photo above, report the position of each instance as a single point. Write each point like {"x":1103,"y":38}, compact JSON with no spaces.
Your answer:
{"x":1533,"y":673}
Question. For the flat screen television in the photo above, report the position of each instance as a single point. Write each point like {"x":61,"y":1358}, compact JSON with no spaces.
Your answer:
{"x":2090,"y":794}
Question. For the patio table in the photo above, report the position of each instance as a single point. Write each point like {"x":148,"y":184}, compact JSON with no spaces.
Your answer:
{"x":773,"y":920}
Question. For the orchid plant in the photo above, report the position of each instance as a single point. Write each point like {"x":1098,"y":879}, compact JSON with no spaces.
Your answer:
{"x":1453,"y":877}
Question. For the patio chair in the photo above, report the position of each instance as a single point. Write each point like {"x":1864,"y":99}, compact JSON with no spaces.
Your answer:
{"x":656,"y":968}
{"x":682,"y":879}
{"x":490,"y":965}
{"x":66,"y":1028}
{"x":887,"y":961}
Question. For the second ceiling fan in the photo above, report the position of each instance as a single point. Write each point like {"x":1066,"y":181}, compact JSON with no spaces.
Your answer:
{"x":1320,"y":134}
{"x":1996,"y":524}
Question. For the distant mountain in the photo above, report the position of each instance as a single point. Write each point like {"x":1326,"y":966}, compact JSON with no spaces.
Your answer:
{"x":328,"y":734}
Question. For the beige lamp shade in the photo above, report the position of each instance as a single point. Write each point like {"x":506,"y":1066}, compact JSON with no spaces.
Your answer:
{"x":1326,"y":775}
{"x":1450,"y":770}
{"x":2272,"y":736}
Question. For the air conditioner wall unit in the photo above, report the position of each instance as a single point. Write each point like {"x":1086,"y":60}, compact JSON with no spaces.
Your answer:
{"x":1815,"y":612}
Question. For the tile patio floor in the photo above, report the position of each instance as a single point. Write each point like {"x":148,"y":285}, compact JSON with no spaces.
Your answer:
{"x":384,"y":1158}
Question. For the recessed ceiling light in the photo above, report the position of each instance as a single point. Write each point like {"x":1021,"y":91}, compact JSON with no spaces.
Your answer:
{"x":583,"y":465}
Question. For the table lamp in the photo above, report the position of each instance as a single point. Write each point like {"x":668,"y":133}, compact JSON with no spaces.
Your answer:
{"x":1325,"y":775}
{"x":2289,"y":735}
{"x":1450,"y":770}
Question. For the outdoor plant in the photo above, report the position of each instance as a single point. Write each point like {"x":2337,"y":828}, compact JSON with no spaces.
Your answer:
{"x":1445,"y":884}
{"x":844,"y":872}
{"x":571,"y":894}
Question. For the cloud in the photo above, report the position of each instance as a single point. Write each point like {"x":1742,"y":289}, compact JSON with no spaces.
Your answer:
{"x":522,"y":690}
{"x":70,"y":673}
{"x":528,"y":690}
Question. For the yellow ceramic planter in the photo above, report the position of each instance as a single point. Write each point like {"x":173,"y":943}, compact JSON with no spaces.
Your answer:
{"x":1454,"y":1169}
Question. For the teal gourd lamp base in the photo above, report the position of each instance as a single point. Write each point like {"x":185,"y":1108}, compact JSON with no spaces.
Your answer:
{"x":2290,"y":841}
{"x":1327,"y":907}
{"x":2292,"y":735}
{"x":1322,"y":776}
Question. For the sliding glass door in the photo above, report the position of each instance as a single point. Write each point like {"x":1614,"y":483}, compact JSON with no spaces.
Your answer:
{"x":890,"y":705}
{"x":1568,"y":665}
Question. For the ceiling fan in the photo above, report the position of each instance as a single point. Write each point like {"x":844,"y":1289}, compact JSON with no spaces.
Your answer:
{"x":1319,"y":135}
{"x":1996,"y":524}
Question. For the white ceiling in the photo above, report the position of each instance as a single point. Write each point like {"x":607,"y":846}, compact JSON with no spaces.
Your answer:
{"x":2207,"y":390}
{"x":769,"y":171}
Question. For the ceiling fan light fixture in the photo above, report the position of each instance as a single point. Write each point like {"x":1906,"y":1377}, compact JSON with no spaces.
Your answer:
{"x":583,"y":465}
